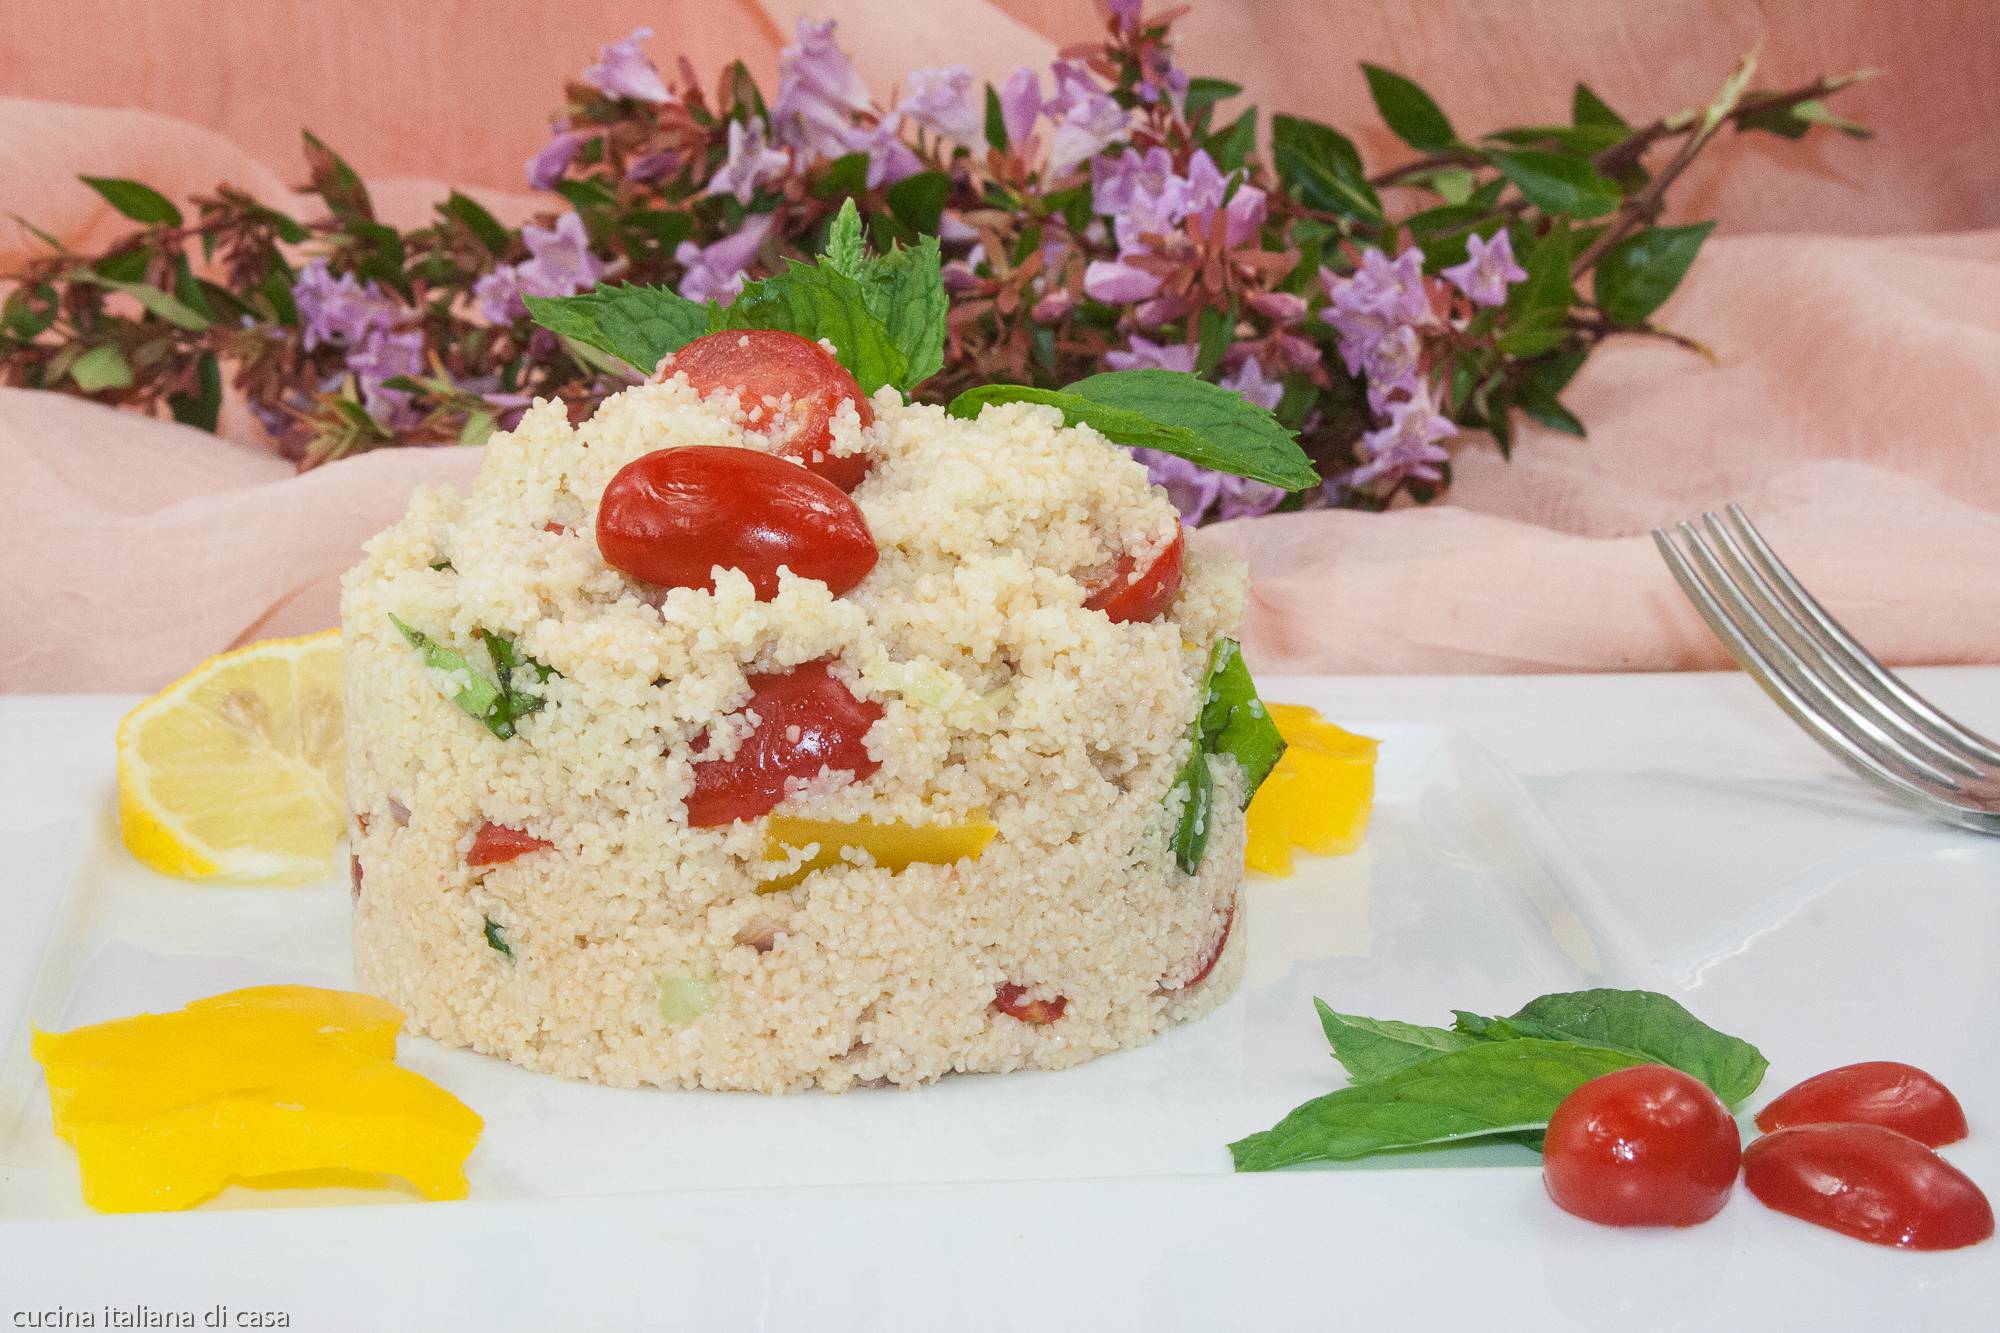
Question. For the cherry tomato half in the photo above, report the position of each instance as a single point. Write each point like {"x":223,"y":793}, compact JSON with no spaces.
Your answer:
{"x":807,"y":722}
{"x":1646,"y":1146}
{"x":1869,"y":1182}
{"x":1007,"y":998}
{"x":1875,"y":1092}
{"x":670,"y":517}
{"x":1134,"y":594}
{"x":1214,"y":954}
{"x":789,"y":387}
{"x":354,"y":873}
{"x":497,"y":844}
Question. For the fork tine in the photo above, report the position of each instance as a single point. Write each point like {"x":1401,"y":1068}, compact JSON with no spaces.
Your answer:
{"x":1796,"y":703}
{"x":1837,"y":671}
{"x":1858,"y":659}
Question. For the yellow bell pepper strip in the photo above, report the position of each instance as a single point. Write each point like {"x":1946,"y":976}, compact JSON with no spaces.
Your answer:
{"x":330,"y":1113}
{"x":289,"y":1082}
{"x":1317,"y":798}
{"x":896,"y":846}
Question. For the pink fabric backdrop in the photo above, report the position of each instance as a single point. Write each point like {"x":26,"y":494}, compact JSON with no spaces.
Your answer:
{"x":1852,"y":409}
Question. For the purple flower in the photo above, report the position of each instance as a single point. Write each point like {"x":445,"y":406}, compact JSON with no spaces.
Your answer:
{"x":383,"y":356}
{"x":819,"y":93}
{"x":1392,"y":364}
{"x":1020,"y":103}
{"x":715,"y":272}
{"x":1489,"y":266}
{"x":623,"y":70}
{"x":1086,"y":117}
{"x":1193,"y":489}
{"x":1393,"y":288}
{"x":1279,"y":307}
{"x":1250,"y":382}
{"x":652,"y":166}
{"x":1114,"y":181}
{"x":889,"y":158}
{"x":499,"y":294}
{"x":1127,"y":13}
{"x":1242,"y":497}
{"x":1374,"y":302}
{"x":1158,"y":205}
{"x":940,"y":100}
{"x":547,"y":167}
{"x":1115,"y":282}
{"x":1145,"y":354}
{"x":752,"y":161}
{"x":560,"y":264}
{"x":341,"y":310}
{"x":1053,"y":306}
{"x":1407,"y":446}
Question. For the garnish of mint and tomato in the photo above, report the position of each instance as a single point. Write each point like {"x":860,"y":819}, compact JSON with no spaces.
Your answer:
{"x":1627,"y":1096}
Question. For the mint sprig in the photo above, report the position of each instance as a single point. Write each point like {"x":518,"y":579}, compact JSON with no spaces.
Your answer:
{"x":1173,"y":412}
{"x":1232,"y":721}
{"x":497,"y":705}
{"x":883,"y":314}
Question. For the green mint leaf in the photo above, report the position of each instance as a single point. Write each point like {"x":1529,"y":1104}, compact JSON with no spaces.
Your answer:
{"x":102,"y":367}
{"x":508,"y":663}
{"x":496,"y":940}
{"x":904,"y":290}
{"x":845,"y":247}
{"x":477,"y":697}
{"x":1636,"y":276}
{"x":1323,"y":165}
{"x":1232,"y":721}
{"x":1557,"y":183}
{"x":638,"y":325}
{"x":1654,"y":1027}
{"x":138,"y":201}
{"x":485,"y":228}
{"x":201,"y":408}
{"x":1409,"y":111}
{"x":1487,"y":1089}
{"x":1191,"y":830}
{"x":1371,"y":1048}
{"x":818,"y":302}
{"x":1587,"y":108}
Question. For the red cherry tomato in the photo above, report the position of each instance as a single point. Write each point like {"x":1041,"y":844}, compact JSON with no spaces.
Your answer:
{"x":1646,"y":1146}
{"x":1007,"y":998}
{"x":556,"y":529}
{"x":354,"y":873}
{"x":807,"y":721}
{"x":670,"y":517}
{"x":1214,"y":954}
{"x":1876,"y":1092}
{"x":1132,"y":594}
{"x":1869,"y":1182}
{"x":496,"y":844}
{"x":789,"y":387}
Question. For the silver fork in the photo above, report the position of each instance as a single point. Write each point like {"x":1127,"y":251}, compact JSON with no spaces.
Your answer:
{"x":1829,"y":683}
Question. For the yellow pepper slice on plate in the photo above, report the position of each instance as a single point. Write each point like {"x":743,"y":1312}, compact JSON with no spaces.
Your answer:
{"x":897,"y":846}
{"x":1317,"y":798}
{"x":272,"y":1085}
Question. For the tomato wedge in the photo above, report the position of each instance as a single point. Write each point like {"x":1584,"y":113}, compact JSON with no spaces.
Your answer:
{"x":1135,"y":594}
{"x":1875,"y":1092}
{"x":670,"y":517}
{"x":789,"y":387}
{"x":807,"y":722}
{"x":1214,"y":954}
{"x":1008,"y":999}
{"x":497,"y":844}
{"x":1868,"y":1182}
{"x":1645,"y":1146}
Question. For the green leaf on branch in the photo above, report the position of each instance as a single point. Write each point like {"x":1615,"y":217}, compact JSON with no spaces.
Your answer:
{"x":1232,"y":145}
{"x":918,"y":201}
{"x":1173,"y":412}
{"x":845,"y":176}
{"x":1636,"y":276}
{"x":1792,"y":121}
{"x":156,"y":300}
{"x":102,"y":367}
{"x":484,"y":227}
{"x":1558,"y":184}
{"x":1322,"y":164}
{"x":1587,"y":108}
{"x":996,"y":120}
{"x":138,"y":201}
{"x":1409,"y":111}
{"x":203,"y":407}
{"x":336,"y":182}
{"x":1538,"y":307}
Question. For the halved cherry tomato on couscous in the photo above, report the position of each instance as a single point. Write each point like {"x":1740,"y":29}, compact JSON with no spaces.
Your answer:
{"x":807,"y":722}
{"x":497,"y":844}
{"x":1008,"y":999}
{"x":1135,"y":594}
{"x":670,"y":517}
{"x":781,"y":380}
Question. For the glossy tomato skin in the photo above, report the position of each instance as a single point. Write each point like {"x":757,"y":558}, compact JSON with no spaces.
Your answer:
{"x":1868,"y":1182}
{"x":1875,"y":1092}
{"x":761,"y":364}
{"x":1125,"y":597}
{"x":1646,"y":1146}
{"x":1010,"y":1000}
{"x":669,"y":517}
{"x":807,"y":721}
{"x":496,"y":844}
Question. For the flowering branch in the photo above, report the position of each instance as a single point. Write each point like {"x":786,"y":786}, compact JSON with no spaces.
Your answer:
{"x":1107,"y":213}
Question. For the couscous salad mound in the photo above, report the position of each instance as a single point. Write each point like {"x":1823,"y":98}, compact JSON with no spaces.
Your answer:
{"x":761,"y":732}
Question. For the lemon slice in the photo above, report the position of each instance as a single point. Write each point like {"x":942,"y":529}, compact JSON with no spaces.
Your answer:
{"x":236,"y":771}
